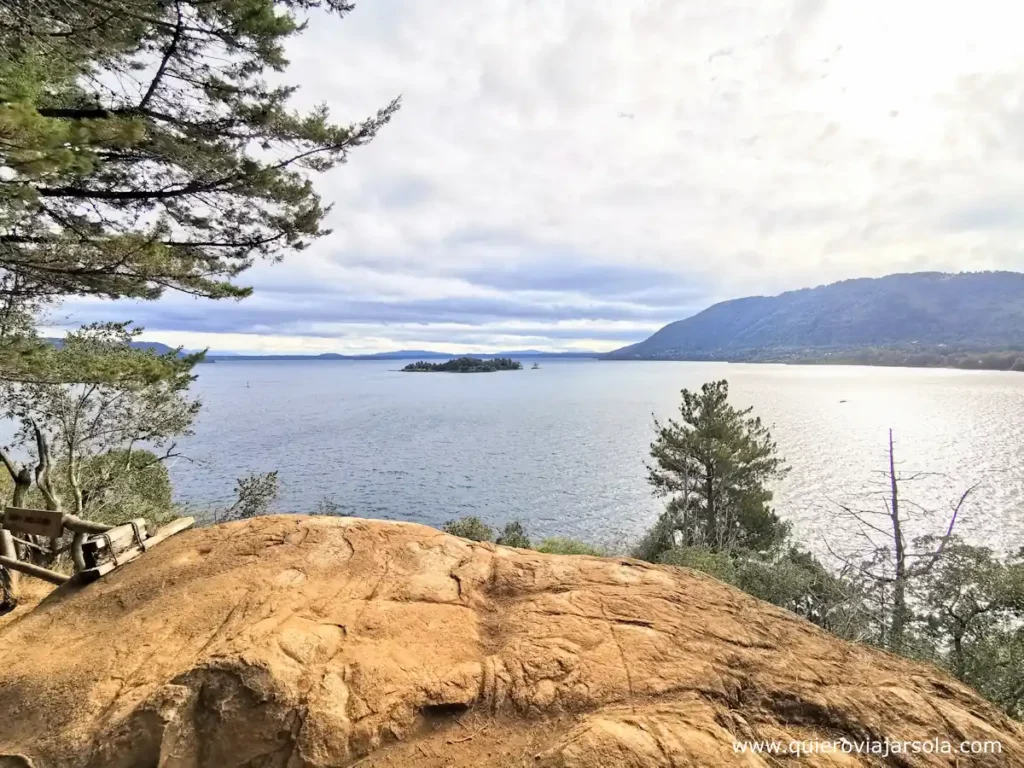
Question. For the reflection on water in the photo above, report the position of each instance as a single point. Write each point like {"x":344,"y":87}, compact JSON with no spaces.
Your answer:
{"x":563,"y":447}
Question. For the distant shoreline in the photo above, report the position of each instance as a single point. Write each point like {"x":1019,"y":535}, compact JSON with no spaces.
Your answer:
{"x":822,"y":362}
{"x":424,"y":370}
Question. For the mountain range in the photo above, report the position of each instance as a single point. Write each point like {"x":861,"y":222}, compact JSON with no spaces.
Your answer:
{"x":881,"y":320}
{"x":969,"y":319}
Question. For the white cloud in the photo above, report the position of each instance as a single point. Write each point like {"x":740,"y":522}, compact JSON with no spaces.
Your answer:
{"x":773,"y":145}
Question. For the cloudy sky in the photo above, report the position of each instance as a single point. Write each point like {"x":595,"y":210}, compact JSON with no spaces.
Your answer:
{"x":574,"y":175}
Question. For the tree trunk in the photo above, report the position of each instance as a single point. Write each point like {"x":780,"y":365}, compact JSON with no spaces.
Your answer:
{"x":43,"y":471}
{"x":897,"y":632}
{"x":22,"y":478}
{"x":710,"y":521}
{"x":958,"y":656}
{"x":22,"y":485}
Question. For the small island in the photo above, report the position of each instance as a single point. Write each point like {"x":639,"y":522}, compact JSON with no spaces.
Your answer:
{"x":466,"y":365}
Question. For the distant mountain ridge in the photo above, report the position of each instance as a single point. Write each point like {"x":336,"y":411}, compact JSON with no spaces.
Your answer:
{"x":976,"y":311}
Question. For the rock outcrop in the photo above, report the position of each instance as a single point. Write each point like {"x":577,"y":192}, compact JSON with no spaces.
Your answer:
{"x":300,"y":642}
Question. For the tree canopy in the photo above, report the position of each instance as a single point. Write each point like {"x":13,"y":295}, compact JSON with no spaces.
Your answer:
{"x":144,"y":147}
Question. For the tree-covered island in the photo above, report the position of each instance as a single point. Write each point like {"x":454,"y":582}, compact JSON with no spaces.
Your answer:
{"x":466,"y":365}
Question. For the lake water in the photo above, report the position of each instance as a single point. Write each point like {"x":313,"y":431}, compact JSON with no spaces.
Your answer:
{"x":563,"y":447}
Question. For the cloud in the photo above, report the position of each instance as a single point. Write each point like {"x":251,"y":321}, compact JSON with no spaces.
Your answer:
{"x":773,"y":145}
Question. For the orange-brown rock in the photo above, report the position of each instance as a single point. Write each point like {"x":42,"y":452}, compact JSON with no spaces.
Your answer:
{"x":299,"y":642}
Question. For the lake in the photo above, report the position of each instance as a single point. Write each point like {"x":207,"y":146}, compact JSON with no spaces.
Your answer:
{"x":563,"y":448}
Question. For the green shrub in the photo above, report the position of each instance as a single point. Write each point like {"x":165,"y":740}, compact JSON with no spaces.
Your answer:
{"x":472,"y":528}
{"x":254,"y":493}
{"x":717,"y":564}
{"x":558,"y":545}
{"x":330,"y":507}
{"x":514,"y":535}
{"x":659,"y":539}
{"x":118,"y":487}
{"x":786,"y":577}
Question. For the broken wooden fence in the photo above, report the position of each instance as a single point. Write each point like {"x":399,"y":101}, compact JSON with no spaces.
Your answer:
{"x":96,"y":549}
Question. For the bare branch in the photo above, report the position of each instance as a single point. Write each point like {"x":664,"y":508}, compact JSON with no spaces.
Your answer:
{"x":172,"y":47}
{"x":949,"y":533}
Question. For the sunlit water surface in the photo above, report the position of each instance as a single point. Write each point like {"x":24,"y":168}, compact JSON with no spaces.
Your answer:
{"x":563,"y":448}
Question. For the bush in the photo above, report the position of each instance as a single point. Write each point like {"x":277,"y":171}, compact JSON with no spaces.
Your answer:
{"x":659,"y":540}
{"x":330,"y":507}
{"x":472,"y":528}
{"x":561,"y":546}
{"x":118,"y":487}
{"x":717,"y":564}
{"x":786,"y":577}
{"x":255,"y":493}
{"x":514,"y":535}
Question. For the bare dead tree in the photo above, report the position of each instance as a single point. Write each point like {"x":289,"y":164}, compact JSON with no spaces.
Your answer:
{"x":21,"y":476}
{"x":892,"y":569}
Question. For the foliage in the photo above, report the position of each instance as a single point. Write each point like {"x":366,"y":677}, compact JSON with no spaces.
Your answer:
{"x":254,"y":495}
{"x":659,"y":539}
{"x":558,"y":545}
{"x":466,"y":365}
{"x":714,"y":465}
{"x":96,"y":429}
{"x":787,"y":577}
{"x":721,"y":565}
{"x":145,"y":147}
{"x":925,"y":318}
{"x":472,"y":528}
{"x":330,"y":507}
{"x":513,"y":535}
{"x":970,"y":618}
{"x":122,"y":485}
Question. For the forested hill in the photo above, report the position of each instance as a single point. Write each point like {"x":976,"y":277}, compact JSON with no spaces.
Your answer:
{"x":935,"y":316}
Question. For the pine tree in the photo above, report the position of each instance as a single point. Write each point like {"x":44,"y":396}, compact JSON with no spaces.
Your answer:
{"x":715,"y":465}
{"x":143,"y":148}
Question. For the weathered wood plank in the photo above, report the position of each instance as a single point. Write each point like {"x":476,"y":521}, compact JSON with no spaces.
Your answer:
{"x":179,"y":525}
{"x":103,"y":568}
{"x":110,"y":545}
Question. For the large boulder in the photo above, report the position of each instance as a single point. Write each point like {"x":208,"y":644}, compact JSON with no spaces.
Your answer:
{"x":307,"y":642}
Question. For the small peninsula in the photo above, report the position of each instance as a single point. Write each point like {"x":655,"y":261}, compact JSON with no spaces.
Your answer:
{"x":465,"y":365}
